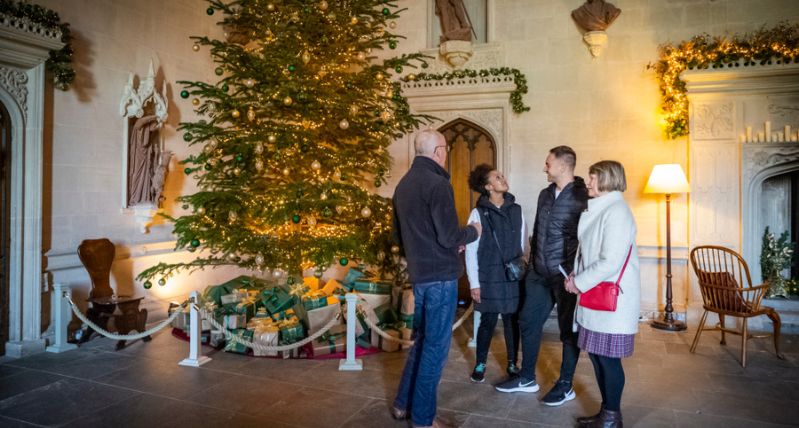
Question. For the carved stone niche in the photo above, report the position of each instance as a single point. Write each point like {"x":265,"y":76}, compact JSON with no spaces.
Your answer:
{"x":144,"y":160}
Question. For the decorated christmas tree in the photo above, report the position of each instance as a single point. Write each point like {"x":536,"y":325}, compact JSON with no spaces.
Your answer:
{"x":296,"y":134}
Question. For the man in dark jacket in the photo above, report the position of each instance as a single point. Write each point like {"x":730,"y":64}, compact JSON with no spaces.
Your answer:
{"x":554,"y":243}
{"x":425,"y":226}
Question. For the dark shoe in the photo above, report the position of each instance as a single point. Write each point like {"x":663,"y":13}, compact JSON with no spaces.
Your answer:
{"x":479,"y":373}
{"x":399,"y":414}
{"x":606,"y":419}
{"x":590,"y":419}
{"x":518,"y":384}
{"x":513,"y":370}
{"x":559,"y":394}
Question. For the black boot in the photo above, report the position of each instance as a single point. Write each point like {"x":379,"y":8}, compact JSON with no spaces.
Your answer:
{"x":606,"y":419}
{"x":585,"y":420}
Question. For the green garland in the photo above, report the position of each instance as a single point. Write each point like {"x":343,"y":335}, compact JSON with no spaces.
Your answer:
{"x":779,"y":45}
{"x":518,"y":79}
{"x":60,"y":62}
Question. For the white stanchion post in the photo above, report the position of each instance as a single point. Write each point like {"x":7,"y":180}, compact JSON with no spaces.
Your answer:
{"x":351,"y":363}
{"x":196,"y":359}
{"x":61,"y":293}
{"x":473,"y":343}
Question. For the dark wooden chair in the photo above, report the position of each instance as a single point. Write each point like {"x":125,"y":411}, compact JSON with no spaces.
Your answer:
{"x":722,"y":274}
{"x":97,"y":256}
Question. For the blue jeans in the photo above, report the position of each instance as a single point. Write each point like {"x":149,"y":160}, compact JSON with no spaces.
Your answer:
{"x":434,"y":313}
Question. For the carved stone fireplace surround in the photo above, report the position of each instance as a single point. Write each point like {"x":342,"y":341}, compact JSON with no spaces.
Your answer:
{"x":24,"y":48}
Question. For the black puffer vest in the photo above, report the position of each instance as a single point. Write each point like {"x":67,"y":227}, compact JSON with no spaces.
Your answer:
{"x":554,"y":240}
{"x":497,"y":295}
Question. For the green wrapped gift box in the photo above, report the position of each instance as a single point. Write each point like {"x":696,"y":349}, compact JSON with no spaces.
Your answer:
{"x":407,"y":320}
{"x":232,"y":345}
{"x":330,"y":344}
{"x":352,"y":275}
{"x":290,"y":331}
{"x":389,"y":345}
{"x":277,"y":300}
{"x":372,"y":286}
{"x":385,"y":313}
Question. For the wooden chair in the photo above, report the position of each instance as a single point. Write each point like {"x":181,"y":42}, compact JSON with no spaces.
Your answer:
{"x":721,"y":274}
{"x":97,"y":256}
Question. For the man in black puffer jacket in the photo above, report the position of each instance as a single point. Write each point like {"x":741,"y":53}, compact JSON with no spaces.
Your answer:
{"x":554,"y":243}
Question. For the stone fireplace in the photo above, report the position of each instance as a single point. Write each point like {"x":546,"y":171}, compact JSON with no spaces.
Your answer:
{"x":743,"y":179}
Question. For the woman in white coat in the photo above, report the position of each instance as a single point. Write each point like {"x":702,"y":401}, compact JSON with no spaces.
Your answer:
{"x":606,"y":253}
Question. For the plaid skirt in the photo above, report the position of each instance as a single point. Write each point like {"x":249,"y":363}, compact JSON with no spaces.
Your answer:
{"x":606,"y":344}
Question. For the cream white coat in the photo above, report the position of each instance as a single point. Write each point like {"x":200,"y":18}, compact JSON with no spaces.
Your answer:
{"x":606,"y":231}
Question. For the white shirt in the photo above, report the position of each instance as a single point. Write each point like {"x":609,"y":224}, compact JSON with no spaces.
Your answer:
{"x":471,"y":250}
{"x":557,"y":192}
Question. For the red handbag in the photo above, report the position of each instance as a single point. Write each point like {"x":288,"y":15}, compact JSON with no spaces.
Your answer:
{"x":603,"y":297}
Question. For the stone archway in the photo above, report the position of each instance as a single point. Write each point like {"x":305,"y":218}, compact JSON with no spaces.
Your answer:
{"x":24,"y":48}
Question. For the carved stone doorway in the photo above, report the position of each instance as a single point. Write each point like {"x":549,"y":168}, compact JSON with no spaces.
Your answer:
{"x":5,"y":194}
{"x":469,"y":145}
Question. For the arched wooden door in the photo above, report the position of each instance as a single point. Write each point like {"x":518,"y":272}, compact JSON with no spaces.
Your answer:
{"x":469,"y":145}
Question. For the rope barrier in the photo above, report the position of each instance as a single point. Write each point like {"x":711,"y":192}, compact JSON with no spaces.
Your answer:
{"x":115,"y":336}
{"x":388,"y":337}
{"x":265,"y":348}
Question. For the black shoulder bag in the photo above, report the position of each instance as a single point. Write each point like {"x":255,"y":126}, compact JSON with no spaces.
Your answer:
{"x":514,"y":269}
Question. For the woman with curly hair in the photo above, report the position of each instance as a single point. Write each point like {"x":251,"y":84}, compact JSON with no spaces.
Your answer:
{"x":504,"y":238}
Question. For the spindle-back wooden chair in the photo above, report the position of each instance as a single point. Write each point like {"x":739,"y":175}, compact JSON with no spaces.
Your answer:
{"x":722,"y":274}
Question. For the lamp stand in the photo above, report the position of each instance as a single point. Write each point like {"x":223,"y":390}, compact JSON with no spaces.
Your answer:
{"x":668,"y":323}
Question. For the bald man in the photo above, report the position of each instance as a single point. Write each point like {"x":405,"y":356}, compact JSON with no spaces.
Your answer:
{"x":425,"y":226}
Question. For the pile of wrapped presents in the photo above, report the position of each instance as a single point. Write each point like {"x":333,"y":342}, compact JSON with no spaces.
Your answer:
{"x":269,"y":314}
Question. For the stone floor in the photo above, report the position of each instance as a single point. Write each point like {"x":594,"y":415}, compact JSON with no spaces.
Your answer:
{"x":142,"y":386}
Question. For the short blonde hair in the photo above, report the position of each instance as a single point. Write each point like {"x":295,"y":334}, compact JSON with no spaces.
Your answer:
{"x":610,"y":176}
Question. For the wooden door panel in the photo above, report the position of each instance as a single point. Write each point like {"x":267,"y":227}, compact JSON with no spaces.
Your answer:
{"x":460,"y":165}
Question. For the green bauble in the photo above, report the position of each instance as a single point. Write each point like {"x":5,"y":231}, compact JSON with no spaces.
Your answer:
{"x":219,"y":71}
{"x":239,"y":158}
{"x":343,"y":261}
{"x":195,"y":242}
{"x":327,"y":212}
{"x":425,"y":65}
{"x":290,"y":280}
{"x":185,"y":206}
{"x":392,"y":45}
{"x":291,"y":68}
{"x":386,"y":11}
{"x":187,"y":137}
{"x":343,"y":177}
{"x":225,"y":88}
{"x":317,"y":274}
{"x":299,"y":193}
{"x":295,"y":218}
{"x":148,"y":285}
{"x":324,"y":39}
{"x":277,"y":156}
{"x":304,"y":148}
{"x":208,"y":167}
{"x":184,"y":94}
{"x":187,"y":170}
{"x":162,"y":282}
{"x":302,"y":97}
{"x":398,"y":69}
{"x":348,"y":85}
{"x":378,"y":183}
{"x":209,"y":11}
{"x":395,"y":97}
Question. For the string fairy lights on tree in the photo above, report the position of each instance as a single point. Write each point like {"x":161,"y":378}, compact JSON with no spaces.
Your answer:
{"x":298,"y":122}
{"x":779,"y":45}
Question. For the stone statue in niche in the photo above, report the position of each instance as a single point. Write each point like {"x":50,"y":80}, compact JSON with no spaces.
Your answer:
{"x":455,"y":23}
{"x":147,"y":166}
{"x":595,"y":16}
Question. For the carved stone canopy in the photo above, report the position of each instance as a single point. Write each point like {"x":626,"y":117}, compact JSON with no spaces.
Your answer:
{"x":134,"y":100}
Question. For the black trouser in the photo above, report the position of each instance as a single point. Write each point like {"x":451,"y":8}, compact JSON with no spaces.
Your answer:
{"x":488,"y":321}
{"x":610,"y":377}
{"x":541,"y":294}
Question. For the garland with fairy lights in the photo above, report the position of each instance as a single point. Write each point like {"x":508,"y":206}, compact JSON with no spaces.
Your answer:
{"x":60,"y":62}
{"x":778,"y":45}
{"x":518,"y":79}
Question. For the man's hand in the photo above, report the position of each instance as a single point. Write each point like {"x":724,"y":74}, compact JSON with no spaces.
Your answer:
{"x":476,"y":294}
{"x":569,"y":284}
{"x":477,"y":226}
{"x":462,"y":248}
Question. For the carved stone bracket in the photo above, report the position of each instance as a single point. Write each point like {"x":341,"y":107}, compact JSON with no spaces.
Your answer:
{"x":15,"y":82}
{"x":482,"y":56}
{"x":145,"y":215}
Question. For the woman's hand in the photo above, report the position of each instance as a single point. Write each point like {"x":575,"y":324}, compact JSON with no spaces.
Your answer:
{"x":569,"y":284}
{"x":476,"y":294}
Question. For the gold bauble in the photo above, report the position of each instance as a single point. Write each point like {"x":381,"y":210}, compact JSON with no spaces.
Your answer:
{"x":259,"y":259}
{"x":311,"y":221}
{"x":213,"y":144}
{"x":236,"y":171}
{"x":361,"y":56}
{"x":411,"y":77}
{"x":270,"y":7}
{"x":354,"y":20}
{"x":316,"y":166}
{"x":323,"y":196}
{"x":249,"y":83}
{"x":389,"y":94}
{"x":286,"y":171}
{"x":287,"y":101}
{"x":201,"y":211}
{"x":395,"y":249}
{"x":306,"y":57}
{"x":196,"y":101}
{"x":233,"y":216}
{"x":268,"y":35}
{"x":337,"y":174}
{"x":250,"y":114}
{"x":208,"y":148}
{"x":366,"y":212}
{"x":344,"y":124}
{"x":259,"y":148}
{"x":196,"y":48}
{"x":381,"y":256}
{"x":392,"y":25}
{"x":323,"y":5}
{"x":259,"y":165}
{"x":295,"y":17}
{"x":235,"y":113}
{"x":271,"y":138}
{"x":379,"y":76}
{"x":385,"y":116}
{"x":354,"y":109}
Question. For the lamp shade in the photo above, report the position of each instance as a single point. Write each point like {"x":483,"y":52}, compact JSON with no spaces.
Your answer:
{"x":667,"y":179}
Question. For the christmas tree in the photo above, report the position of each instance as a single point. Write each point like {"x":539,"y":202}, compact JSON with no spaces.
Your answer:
{"x":298,"y":123}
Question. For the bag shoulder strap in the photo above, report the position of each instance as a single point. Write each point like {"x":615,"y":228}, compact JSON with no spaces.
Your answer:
{"x":499,"y":247}
{"x":625,"y":266}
